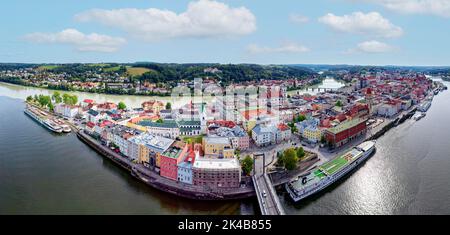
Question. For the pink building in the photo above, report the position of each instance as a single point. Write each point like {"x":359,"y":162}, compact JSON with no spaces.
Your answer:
{"x":170,"y":159}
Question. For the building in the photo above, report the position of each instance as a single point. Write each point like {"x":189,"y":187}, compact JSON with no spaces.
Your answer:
{"x":170,"y":159}
{"x":121,"y":136}
{"x":309,"y":130}
{"x":217,"y":173}
{"x":167,"y":128}
{"x":185,"y":172}
{"x":342,"y":133}
{"x":283,"y":133}
{"x":190,"y":128}
{"x":217,"y":147}
{"x":238,"y":136}
{"x":147,"y":148}
{"x":264,"y":135}
{"x":153,"y":105}
{"x":65,"y":110}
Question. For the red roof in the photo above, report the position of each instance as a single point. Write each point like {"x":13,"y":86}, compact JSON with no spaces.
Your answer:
{"x":283,"y":127}
{"x":89,"y":101}
{"x":90,"y":124}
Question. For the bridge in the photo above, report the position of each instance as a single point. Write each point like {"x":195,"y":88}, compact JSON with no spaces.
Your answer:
{"x":268,"y":200}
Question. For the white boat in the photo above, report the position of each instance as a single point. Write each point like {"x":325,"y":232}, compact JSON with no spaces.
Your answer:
{"x":45,"y":122}
{"x":419,"y":116}
{"x":329,"y":172}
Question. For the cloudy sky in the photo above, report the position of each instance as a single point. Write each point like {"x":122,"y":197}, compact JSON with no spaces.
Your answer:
{"x":375,"y":32}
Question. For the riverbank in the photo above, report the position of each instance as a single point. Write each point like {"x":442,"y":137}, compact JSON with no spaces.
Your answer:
{"x":156,"y":181}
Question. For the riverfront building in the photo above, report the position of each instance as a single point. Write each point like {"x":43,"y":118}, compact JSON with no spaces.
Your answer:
{"x":217,"y":173}
{"x":170,"y":159}
{"x":343,"y":132}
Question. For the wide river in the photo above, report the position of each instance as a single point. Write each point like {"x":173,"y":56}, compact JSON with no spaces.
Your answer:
{"x":42,"y":173}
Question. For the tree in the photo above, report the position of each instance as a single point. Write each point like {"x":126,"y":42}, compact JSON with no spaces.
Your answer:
{"x":122,"y":105}
{"x":50,"y":106}
{"x":56,"y":97}
{"x":169,"y":106}
{"x":70,"y":99}
{"x":160,"y":121}
{"x":290,"y":159}
{"x":29,"y":98}
{"x":339,"y":103}
{"x":293,"y":127}
{"x":300,"y":152}
{"x":301,"y":118}
{"x":44,"y":100}
{"x":323,"y":140}
{"x":247,"y":165}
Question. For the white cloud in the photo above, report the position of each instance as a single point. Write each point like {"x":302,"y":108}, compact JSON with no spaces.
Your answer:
{"x":82,"y":42}
{"x":372,"y":24}
{"x":288,"y":47}
{"x":432,"y":7}
{"x":373,"y":47}
{"x":202,"y":19}
{"x":299,"y":19}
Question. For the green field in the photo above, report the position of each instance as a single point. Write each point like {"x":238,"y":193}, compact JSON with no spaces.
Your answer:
{"x":137,"y":71}
{"x":47,"y":67}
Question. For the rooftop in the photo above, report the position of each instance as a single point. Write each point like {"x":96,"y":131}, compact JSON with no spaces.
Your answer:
{"x":206,"y":163}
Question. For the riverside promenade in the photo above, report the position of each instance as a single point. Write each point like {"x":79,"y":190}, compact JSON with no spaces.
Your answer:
{"x":196,"y":192}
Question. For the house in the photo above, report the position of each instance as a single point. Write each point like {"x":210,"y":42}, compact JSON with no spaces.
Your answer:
{"x":217,"y":147}
{"x":171,"y":158}
{"x":185,"y":172}
{"x":147,"y":148}
{"x":283,"y":133}
{"x":217,"y":173}
{"x":167,"y":128}
{"x":309,"y":130}
{"x":264,"y":135}
{"x":153,"y":105}
{"x":69,"y":111}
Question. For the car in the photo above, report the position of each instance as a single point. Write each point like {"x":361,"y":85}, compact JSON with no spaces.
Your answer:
{"x":264,"y":194}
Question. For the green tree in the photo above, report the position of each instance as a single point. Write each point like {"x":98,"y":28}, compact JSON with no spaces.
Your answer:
{"x":300,"y":152}
{"x":29,"y":98}
{"x":293,"y":127}
{"x":121,"y":105}
{"x":44,"y":100}
{"x":339,"y":103}
{"x":56,"y":97}
{"x":70,"y":99}
{"x":160,"y":121}
{"x":301,"y":118}
{"x":51,"y":107}
{"x":169,"y":106}
{"x":323,"y":140}
{"x":247,"y":165}
{"x":290,"y":159}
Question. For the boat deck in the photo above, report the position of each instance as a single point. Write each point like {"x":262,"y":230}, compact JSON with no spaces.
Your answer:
{"x":333,"y":166}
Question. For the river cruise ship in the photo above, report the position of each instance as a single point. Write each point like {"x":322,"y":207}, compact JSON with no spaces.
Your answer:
{"x":329,"y":172}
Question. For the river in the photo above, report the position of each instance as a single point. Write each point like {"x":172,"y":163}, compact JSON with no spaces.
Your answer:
{"x":42,"y":173}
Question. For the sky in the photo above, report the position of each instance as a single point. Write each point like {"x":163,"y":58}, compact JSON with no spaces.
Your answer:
{"x":363,"y":32}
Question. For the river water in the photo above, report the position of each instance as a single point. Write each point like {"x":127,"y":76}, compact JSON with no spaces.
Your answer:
{"x":43,"y":173}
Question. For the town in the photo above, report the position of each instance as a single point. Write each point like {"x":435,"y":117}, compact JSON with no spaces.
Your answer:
{"x":216,"y":145}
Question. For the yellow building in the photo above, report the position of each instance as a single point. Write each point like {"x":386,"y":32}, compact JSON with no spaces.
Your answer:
{"x":312,"y":134}
{"x":218,"y":147}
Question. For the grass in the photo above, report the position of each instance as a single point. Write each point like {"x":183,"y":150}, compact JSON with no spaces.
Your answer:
{"x":47,"y":67}
{"x":137,"y":71}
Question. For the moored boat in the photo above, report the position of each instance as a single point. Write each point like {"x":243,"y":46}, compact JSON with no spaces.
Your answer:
{"x":329,"y":172}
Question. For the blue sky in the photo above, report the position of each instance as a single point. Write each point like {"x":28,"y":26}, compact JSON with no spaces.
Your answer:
{"x":369,"y":32}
